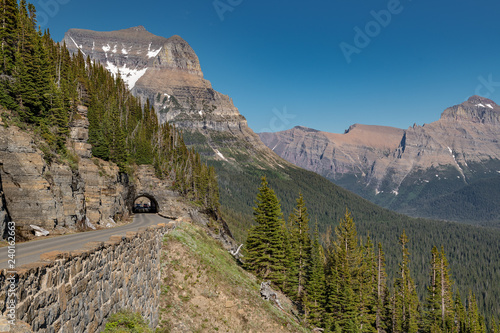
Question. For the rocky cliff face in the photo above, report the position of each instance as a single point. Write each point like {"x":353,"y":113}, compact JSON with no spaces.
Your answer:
{"x":335,"y":155}
{"x":400,"y":168}
{"x":67,"y":194}
{"x":168,"y":73}
{"x":58,"y":195}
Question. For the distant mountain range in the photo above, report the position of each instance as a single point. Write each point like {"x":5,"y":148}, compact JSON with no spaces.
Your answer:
{"x":448,"y":169}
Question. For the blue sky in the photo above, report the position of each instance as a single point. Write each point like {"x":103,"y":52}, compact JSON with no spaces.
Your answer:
{"x":283,"y":62}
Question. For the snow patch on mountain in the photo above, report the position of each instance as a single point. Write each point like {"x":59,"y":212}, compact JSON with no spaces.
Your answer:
{"x":153,"y":53}
{"x":456,"y":164}
{"x":78,"y":46}
{"x":130,"y":76}
{"x":220,"y":154}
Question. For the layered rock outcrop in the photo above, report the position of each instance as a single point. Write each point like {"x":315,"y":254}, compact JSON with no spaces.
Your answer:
{"x":169,"y":203}
{"x":58,"y":195}
{"x":35,"y":192}
{"x":65,"y":194}
{"x":334,"y":155}
{"x":392,"y":167}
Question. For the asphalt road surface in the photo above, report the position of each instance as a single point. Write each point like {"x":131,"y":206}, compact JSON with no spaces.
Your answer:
{"x":30,"y":251}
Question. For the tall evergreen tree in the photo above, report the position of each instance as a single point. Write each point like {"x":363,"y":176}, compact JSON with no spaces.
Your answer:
{"x":460,"y":315}
{"x":439,"y":313}
{"x":494,"y":326}
{"x":432,"y":315}
{"x":315,"y":283}
{"x":344,"y":275}
{"x":8,"y":37}
{"x":265,"y":243}
{"x":475,"y":322}
{"x":291,"y":262}
{"x":300,"y":245}
{"x":383,"y":309}
{"x":406,"y":303}
{"x":368,"y":288}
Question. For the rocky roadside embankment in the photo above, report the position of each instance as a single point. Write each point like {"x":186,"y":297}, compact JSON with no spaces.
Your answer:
{"x":76,"y":192}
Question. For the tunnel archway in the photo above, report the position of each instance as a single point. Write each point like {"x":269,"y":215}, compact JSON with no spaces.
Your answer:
{"x":145,"y":203}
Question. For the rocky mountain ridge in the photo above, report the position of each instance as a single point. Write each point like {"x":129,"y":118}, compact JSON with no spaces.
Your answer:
{"x":167,"y":72}
{"x":399,"y":168}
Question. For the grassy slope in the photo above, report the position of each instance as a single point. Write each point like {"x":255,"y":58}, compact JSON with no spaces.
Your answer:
{"x":204,"y":290}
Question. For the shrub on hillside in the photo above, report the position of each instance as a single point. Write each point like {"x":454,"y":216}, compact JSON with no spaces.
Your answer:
{"x":127,"y":321}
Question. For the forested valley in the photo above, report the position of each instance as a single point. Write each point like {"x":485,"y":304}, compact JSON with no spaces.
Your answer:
{"x":340,"y":283}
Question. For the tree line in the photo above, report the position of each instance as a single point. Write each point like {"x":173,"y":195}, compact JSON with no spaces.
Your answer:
{"x":340,"y":283}
{"x":42,"y":84}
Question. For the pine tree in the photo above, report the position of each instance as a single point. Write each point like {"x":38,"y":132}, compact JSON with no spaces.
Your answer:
{"x":475,"y":323}
{"x":494,"y":327}
{"x":432,"y":313}
{"x":315,"y":286}
{"x":406,"y":304}
{"x":343,"y":303}
{"x":330,"y":318}
{"x":383,"y":310}
{"x":368,"y":288}
{"x":8,"y":38}
{"x":460,"y":318}
{"x":265,"y":244}
{"x":8,"y":34}
{"x":291,"y":261}
{"x":439,"y":306}
{"x":27,"y":66}
{"x":300,"y":244}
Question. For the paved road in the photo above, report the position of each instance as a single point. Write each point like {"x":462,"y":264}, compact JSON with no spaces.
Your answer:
{"x":30,"y":251}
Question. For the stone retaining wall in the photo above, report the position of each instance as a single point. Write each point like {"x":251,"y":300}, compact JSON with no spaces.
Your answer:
{"x":76,"y":291}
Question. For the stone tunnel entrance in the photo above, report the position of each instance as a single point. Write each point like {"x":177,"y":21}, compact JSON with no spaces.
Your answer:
{"x":145,"y":203}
